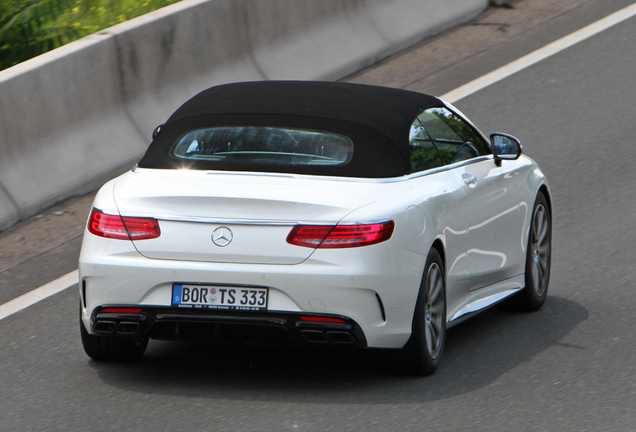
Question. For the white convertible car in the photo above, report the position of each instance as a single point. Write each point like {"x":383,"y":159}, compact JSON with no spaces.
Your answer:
{"x":316,"y":213}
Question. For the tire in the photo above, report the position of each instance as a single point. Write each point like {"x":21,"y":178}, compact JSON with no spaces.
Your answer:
{"x":538,"y":260}
{"x":112,"y":348}
{"x":423,"y":352}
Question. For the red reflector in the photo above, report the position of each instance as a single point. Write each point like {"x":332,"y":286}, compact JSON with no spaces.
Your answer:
{"x":340,"y":236}
{"x":123,"y":228}
{"x":323,"y":319}
{"x":121,"y":310}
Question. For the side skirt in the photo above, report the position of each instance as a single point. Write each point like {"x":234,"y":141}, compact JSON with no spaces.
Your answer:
{"x":484,"y":298}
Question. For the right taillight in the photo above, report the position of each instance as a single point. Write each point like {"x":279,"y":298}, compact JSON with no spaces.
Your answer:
{"x":123,"y":228}
{"x":340,"y":236}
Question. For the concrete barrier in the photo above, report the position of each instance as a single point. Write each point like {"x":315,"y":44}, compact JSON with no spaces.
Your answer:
{"x":63,"y":126}
{"x":74,"y":117}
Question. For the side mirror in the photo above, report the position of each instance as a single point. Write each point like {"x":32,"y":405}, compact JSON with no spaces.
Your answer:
{"x":505,"y":147}
{"x":156,"y":131}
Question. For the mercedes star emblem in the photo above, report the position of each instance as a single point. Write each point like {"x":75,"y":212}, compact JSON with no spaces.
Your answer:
{"x":222,"y":236}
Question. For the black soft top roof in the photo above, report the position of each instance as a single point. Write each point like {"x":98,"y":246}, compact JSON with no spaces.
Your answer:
{"x":377,"y":119}
{"x":390,"y":111}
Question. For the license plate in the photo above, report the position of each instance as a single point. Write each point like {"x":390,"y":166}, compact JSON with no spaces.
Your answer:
{"x":219,"y":297}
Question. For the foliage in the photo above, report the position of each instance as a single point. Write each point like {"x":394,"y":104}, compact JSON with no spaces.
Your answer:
{"x":32,"y":27}
{"x":29,"y":28}
{"x":424,"y":158}
{"x":441,"y":137}
{"x":91,"y":16}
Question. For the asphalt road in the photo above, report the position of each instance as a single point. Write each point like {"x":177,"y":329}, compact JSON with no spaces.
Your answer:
{"x":569,"y":367}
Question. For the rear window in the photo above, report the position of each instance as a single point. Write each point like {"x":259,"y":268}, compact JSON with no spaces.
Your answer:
{"x":264,"y":145}
{"x":275,"y":143}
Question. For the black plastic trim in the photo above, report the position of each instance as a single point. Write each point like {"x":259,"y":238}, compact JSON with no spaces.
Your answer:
{"x":168,"y":323}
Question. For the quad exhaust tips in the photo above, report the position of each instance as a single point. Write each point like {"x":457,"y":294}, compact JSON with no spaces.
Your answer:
{"x":166,"y":323}
{"x":111,"y":327}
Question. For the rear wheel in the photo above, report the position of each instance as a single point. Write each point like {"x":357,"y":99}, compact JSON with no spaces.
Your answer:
{"x":109,"y":348}
{"x":423,"y":351}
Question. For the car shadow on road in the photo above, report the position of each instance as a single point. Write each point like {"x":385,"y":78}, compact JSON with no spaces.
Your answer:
{"x":477,"y":353}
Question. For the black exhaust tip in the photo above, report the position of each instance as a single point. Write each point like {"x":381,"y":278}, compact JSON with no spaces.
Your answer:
{"x":128,"y":328}
{"x":105,"y":327}
{"x":314,"y":336}
{"x":340,"y":337}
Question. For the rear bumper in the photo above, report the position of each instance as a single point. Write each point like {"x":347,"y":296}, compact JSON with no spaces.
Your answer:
{"x":375,"y":287}
{"x":166,"y":323}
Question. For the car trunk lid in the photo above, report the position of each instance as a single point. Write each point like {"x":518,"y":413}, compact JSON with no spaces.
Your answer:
{"x":233,"y":218}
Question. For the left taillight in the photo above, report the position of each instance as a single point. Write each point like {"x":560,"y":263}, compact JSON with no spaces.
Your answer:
{"x":123,"y":228}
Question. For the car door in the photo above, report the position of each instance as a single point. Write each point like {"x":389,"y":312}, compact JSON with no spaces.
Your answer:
{"x":491,"y":208}
{"x":443,"y":209}
{"x":496,"y":220}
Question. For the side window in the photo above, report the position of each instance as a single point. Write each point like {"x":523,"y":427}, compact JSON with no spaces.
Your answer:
{"x":424,"y":155}
{"x":455,"y":139}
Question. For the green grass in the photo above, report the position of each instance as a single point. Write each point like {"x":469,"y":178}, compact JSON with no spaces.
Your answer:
{"x":32,"y":27}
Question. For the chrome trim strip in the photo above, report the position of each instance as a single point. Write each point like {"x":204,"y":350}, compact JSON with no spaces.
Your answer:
{"x":253,"y":174}
{"x":449,"y":167}
{"x":136,"y":169}
{"x":221,"y":221}
{"x":482,"y":303}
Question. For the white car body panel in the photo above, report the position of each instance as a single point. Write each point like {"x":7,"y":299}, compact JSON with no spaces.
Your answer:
{"x":260,"y":210}
{"x":496,"y":218}
{"x":361,"y":283}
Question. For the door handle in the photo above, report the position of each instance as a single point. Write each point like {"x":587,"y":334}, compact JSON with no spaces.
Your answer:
{"x":470,"y":180}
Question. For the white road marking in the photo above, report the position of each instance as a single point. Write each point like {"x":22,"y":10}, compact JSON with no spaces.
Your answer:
{"x":540,"y":54}
{"x":70,"y":279}
{"x":38,"y":294}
